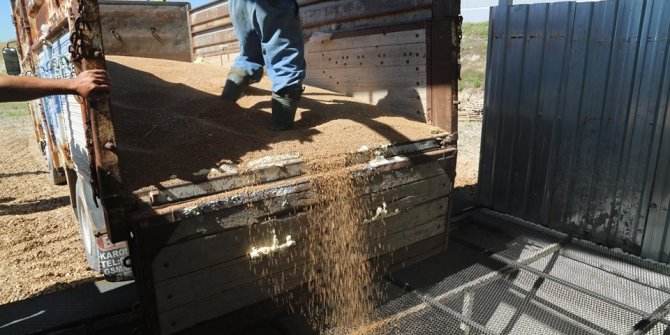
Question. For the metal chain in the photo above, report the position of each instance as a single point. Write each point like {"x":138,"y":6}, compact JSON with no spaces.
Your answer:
{"x":81,"y":45}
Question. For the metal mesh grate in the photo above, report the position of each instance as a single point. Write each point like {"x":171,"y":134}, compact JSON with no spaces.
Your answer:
{"x":545,"y":285}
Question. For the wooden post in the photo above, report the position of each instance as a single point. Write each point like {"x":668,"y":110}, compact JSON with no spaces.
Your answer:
{"x":444,"y":50}
{"x":98,"y":124}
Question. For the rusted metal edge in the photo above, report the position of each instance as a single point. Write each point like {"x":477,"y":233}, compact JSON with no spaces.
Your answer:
{"x":105,"y":174}
{"x":54,"y":31}
{"x":35,"y":7}
{"x":22,"y":13}
{"x":275,"y":169}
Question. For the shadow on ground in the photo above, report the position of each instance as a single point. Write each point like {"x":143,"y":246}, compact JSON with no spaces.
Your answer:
{"x":43,"y":205}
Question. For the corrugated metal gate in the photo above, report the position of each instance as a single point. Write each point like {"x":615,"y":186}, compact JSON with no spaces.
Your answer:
{"x":576,"y":134}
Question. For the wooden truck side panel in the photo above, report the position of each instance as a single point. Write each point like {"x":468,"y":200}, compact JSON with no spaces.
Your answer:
{"x":198,"y":268}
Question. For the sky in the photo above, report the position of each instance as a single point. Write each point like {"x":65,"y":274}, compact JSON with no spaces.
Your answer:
{"x":473,"y":11}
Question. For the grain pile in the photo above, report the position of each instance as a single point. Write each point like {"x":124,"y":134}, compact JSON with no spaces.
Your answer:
{"x":171,"y":123}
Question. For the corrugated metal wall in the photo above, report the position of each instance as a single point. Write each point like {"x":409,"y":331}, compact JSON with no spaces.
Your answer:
{"x":576,"y":134}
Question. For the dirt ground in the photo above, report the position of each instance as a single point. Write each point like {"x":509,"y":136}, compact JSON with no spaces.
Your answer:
{"x":471,"y":93}
{"x":40,"y":246}
{"x":467,"y":167}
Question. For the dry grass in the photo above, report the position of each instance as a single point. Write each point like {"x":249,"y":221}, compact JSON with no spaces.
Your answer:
{"x":473,"y":56}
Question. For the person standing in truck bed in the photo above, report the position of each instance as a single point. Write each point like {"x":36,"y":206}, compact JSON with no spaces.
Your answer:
{"x":270,"y":34}
{"x":87,"y":84}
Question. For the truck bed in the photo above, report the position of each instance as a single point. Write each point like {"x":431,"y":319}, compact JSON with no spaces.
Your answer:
{"x":214,"y":184}
{"x":173,"y":128}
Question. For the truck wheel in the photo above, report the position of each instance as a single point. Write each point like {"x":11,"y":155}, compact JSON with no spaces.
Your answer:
{"x":89,"y":216}
{"x":56,"y":177}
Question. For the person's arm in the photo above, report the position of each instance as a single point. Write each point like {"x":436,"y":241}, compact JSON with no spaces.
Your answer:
{"x":88,"y":83}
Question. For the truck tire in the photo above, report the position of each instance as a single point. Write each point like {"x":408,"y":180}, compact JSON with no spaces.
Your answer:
{"x":89,"y":216}
{"x":56,"y":176}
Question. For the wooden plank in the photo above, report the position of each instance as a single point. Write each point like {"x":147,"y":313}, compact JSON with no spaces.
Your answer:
{"x":197,"y":254}
{"x":372,"y":95}
{"x":217,"y":181}
{"x":279,"y":203}
{"x":244,"y":317}
{"x":350,"y":10}
{"x":375,"y":77}
{"x":303,"y":3}
{"x":374,"y":40}
{"x":209,"y":14}
{"x":215,"y":249}
{"x":375,"y":25}
{"x":220,"y":23}
{"x":261,"y":171}
{"x":420,"y":191}
{"x":218,"y":49}
{"x":214,"y":37}
{"x":227,"y":276}
{"x":443,"y":65}
{"x":231,"y":275}
{"x":413,"y":254}
{"x":214,"y":203}
{"x":411,"y":54}
{"x":315,"y":13}
{"x":385,"y":236}
{"x":188,"y":315}
{"x":285,"y":278}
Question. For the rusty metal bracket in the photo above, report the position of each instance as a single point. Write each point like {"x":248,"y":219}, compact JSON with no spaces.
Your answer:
{"x":87,"y":54}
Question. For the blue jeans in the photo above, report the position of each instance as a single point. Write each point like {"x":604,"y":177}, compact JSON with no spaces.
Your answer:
{"x":269,"y":32}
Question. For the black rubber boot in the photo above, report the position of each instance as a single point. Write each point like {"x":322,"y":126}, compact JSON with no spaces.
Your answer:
{"x":237,"y":82}
{"x":284,"y":106}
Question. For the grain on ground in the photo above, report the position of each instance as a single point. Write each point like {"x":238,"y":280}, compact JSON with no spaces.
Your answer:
{"x":40,"y":245}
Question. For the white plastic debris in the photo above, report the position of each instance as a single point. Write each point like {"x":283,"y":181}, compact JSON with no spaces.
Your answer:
{"x":275,"y":247}
{"x":363,"y":148}
{"x":382,"y":213}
